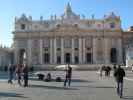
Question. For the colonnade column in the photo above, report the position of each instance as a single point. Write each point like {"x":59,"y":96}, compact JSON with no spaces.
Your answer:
{"x":94,"y":50}
{"x":16,"y":56}
{"x":62,"y":50}
{"x":80,"y":50}
{"x":84,"y":61}
{"x":106,"y":51}
{"x":41,"y":51}
{"x":29,"y":52}
{"x":72,"y":50}
{"x":55,"y":55}
{"x":51,"y":50}
{"x":119,"y":57}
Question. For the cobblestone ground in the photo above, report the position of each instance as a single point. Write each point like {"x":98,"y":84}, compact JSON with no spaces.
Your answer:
{"x":86,"y":85}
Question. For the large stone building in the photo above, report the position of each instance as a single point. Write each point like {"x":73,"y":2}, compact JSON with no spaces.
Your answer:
{"x":69,"y":39}
{"x":5,"y":56}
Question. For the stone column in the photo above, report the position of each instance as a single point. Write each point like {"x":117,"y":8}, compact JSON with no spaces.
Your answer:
{"x":84,"y":60}
{"x":62,"y":50}
{"x":80,"y":50}
{"x":29,"y":52}
{"x":15,"y":52}
{"x":119,"y":51}
{"x":55,"y":55}
{"x":94,"y":50}
{"x":41,"y":51}
{"x":106,"y":51}
{"x":51,"y":50}
{"x":16,"y":56}
{"x":73,"y":50}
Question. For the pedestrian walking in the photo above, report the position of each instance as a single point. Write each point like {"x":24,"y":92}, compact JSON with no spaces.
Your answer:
{"x":119,"y":74}
{"x":108,"y":70}
{"x":10,"y":73}
{"x":101,"y":70}
{"x":68,"y":75}
{"x":19,"y":73}
{"x":25,"y":75}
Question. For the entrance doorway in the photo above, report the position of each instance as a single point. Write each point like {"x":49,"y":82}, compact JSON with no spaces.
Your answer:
{"x":88,"y":57}
{"x":113,"y":55}
{"x":68,"y":58}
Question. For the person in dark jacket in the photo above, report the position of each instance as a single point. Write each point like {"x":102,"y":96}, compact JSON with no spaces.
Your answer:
{"x":10,"y":72}
{"x":68,"y":75}
{"x":119,"y":74}
{"x":18,"y":73}
{"x":25,"y":75}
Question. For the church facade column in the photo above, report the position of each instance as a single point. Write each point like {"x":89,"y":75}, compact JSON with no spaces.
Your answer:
{"x":16,"y":56}
{"x":51,"y":50}
{"x":80,"y":50}
{"x":29,"y":52}
{"x":84,"y":51}
{"x":106,"y":51}
{"x":41,"y":51}
{"x":119,"y":57}
{"x":73,"y":60}
{"x":94,"y":50}
{"x":62,"y":50}
{"x":55,"y":53}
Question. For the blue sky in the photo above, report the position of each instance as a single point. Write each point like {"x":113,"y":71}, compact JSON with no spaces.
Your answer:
{"x":11,"y":8}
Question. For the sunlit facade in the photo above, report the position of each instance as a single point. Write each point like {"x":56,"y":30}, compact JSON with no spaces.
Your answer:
{"x":69,"y":38}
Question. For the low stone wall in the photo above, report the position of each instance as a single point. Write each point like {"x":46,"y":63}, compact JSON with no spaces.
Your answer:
{"x":79,"y":67}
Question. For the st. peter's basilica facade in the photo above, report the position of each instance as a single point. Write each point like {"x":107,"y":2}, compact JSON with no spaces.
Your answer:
{"x":69,"y":39}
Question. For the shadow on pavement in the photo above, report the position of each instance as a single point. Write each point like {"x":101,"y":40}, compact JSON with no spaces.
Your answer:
{"x":7,"y":94}
{"x":53,"y":80}
{"x":103,"y":87}
{"x":88,"y":86}
{"x":52,"y":87}
{"x":81,"y":80}
{"x":128,"y":97}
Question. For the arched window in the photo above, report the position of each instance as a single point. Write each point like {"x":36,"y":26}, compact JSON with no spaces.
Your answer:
{"x":113,"y":55}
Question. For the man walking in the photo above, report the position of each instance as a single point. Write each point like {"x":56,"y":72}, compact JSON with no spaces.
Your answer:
{"x":119,"y":74}
{"x":25,"y":75}
{"x":10,"y":72}
{"x":68,"y":75}
{"x":18,"y":73}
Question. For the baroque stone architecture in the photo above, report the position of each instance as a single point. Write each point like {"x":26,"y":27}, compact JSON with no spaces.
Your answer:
{"x":6,"y":57}
{"x":69,"y":38}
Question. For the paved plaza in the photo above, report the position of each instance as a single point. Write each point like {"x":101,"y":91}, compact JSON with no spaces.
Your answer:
{"x":86,"y":85}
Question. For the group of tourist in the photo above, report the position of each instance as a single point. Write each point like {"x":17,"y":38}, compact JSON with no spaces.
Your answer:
{"x":118,"y":74}
{"x":19,"y":72}
{"x":106,"y":69}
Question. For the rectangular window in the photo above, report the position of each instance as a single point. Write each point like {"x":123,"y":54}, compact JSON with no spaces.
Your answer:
{"x":46,"y":58}
{"x":46,"y":43}
{"x":76,"y":60}
{"x":88,"y":57}
{"x":22,"y":26}
{"x":58,"y":59}
{"x":67,"y":43}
